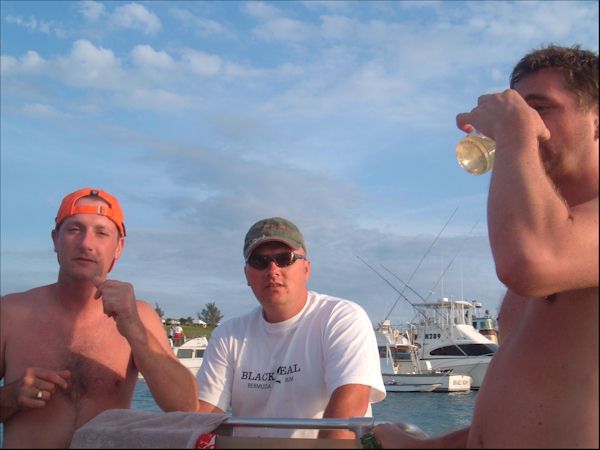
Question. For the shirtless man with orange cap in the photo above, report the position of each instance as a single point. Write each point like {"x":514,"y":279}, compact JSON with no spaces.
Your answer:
{"x":88,"y":336}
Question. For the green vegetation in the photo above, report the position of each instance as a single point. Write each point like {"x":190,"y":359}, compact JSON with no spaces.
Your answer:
{"x":211,"y":314}
{"x":192,"y":331}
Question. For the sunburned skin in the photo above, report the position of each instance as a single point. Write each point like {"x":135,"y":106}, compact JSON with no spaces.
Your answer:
{"x":73,"y":349}
{"x":86,"y":351}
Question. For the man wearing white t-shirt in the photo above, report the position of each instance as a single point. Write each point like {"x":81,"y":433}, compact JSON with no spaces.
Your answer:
{"x":300,"y":354}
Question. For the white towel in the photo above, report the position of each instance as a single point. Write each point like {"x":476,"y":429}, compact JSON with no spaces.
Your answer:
{"x":126,"y":428}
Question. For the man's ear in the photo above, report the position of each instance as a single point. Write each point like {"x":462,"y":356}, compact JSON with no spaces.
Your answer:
{"x":120,"y":248}
{"x":307,"y":270}
{"x":246,"y":275}
{"x":54,"y":235}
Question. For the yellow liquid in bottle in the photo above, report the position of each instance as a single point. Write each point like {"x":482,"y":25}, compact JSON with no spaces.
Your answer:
{"x":475,"y":153}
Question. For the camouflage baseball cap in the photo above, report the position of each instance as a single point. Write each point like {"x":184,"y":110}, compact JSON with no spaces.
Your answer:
{"x":273,"y":229}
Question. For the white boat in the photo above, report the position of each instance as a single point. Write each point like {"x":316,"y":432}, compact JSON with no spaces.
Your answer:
{"x":190,"y":353}
{"x":402,"y":371}
{"x":446,"y":339}
{"x":402,"y":384}
{"x":485,"y":324}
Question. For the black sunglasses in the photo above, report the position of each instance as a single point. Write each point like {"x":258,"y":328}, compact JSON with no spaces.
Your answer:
{"x":261,"y":262}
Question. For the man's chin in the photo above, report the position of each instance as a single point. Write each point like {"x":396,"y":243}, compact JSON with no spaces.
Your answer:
{"x":551,"y":166}
{"x":81,"y":276}
{"x":550,"y":160}
{"x":272,"y":295}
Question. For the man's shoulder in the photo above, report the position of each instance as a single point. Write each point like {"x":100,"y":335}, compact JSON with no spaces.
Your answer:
{"x":22,"y":298}
{"x":334,"y":302}
{"x":336,"y":307}
{"x":145,"y":308}
{"x":18,"y":307}
{"x":236,"y":323}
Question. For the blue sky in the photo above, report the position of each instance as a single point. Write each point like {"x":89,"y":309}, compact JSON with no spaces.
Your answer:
{"x":204,"y":117}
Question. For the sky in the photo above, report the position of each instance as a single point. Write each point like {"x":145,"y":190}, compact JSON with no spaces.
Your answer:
{"x":205,"y":117}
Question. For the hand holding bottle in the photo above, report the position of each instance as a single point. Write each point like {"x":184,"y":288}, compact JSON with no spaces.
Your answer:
{"x":475,"y":153}
{"x":505,"y":113}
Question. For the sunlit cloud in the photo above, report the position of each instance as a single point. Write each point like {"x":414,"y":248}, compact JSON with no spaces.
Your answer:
{"x":203,"y":117}
{"x":91,"y":10}
{"x":136,"y":17}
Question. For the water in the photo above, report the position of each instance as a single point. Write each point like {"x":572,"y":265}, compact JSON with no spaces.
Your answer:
{"x":435,"y":413}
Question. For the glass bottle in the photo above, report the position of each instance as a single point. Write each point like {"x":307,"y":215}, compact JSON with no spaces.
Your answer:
{"x":475,"y":153}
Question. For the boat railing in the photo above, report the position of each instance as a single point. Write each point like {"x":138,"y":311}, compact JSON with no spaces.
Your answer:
{"x":359,"y":425}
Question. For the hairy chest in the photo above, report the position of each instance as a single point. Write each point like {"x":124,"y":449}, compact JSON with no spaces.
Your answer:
{"x":97,"y":356}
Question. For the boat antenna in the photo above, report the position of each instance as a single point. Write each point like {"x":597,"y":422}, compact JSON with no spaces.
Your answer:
{"x":419,"y":264}
{"x":406,"y":285}
{"x":462,"y":287}
{"x":432,"y":290}
{"x":400,"y":294}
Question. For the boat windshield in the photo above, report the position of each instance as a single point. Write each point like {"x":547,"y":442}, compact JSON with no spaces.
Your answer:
{"x":403,"y":354}
{"x":466,"y":349}
{"x":185,"y":353}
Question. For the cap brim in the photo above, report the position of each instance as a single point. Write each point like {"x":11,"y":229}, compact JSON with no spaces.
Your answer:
{"x":269,"y":239}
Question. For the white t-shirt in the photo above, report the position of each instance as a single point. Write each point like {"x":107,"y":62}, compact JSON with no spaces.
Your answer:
{"x":290,"y":369}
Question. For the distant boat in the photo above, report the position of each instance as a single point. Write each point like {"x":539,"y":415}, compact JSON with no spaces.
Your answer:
{"x":485,"y":324}
{"x":402,"y":372}
{"x":403,"y":384}
{"x":190,"y":353}
{"x":445,"y":337}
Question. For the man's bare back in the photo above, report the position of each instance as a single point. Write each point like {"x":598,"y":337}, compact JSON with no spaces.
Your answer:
{"x":551,"y":346}
{"x":102,"y":374}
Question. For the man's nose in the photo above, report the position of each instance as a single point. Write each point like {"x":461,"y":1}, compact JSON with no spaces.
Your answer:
{"x":272,"y":266}
{"x":87,"y":239}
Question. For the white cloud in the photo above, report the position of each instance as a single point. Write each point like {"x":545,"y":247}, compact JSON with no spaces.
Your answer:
{"x":31,"y":60}
{"x":202,"y":63}
{"x":91,"y":57}
{"x":235,"y":70}
{"x":157,"y":100}
{"x":28,"y":63}
{"x":91,"y":66}
{"x":337,"y":27}
{"x":30,"y":24}
{"x":323,"y":128}
{"x":330,"y":5}
{"x":504,"y":23}
{"x":201,"y":25}
{"x":91,"y":10}
{"x":40,"y":110}
{"x":262,"y":10}
{"x":136,"y":17}
{"x":146,"y":57}
{"x":33,"y":24}
{"x":7,"y":64}
{"x":497,"y":75}
{"x":285,"y":29}
{"x":291,"y":70}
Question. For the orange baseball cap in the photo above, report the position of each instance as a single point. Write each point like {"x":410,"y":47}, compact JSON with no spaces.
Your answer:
{"x":112,"y":211}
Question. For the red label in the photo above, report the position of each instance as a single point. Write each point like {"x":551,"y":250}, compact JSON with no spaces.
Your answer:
{"x":206,"y":440}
